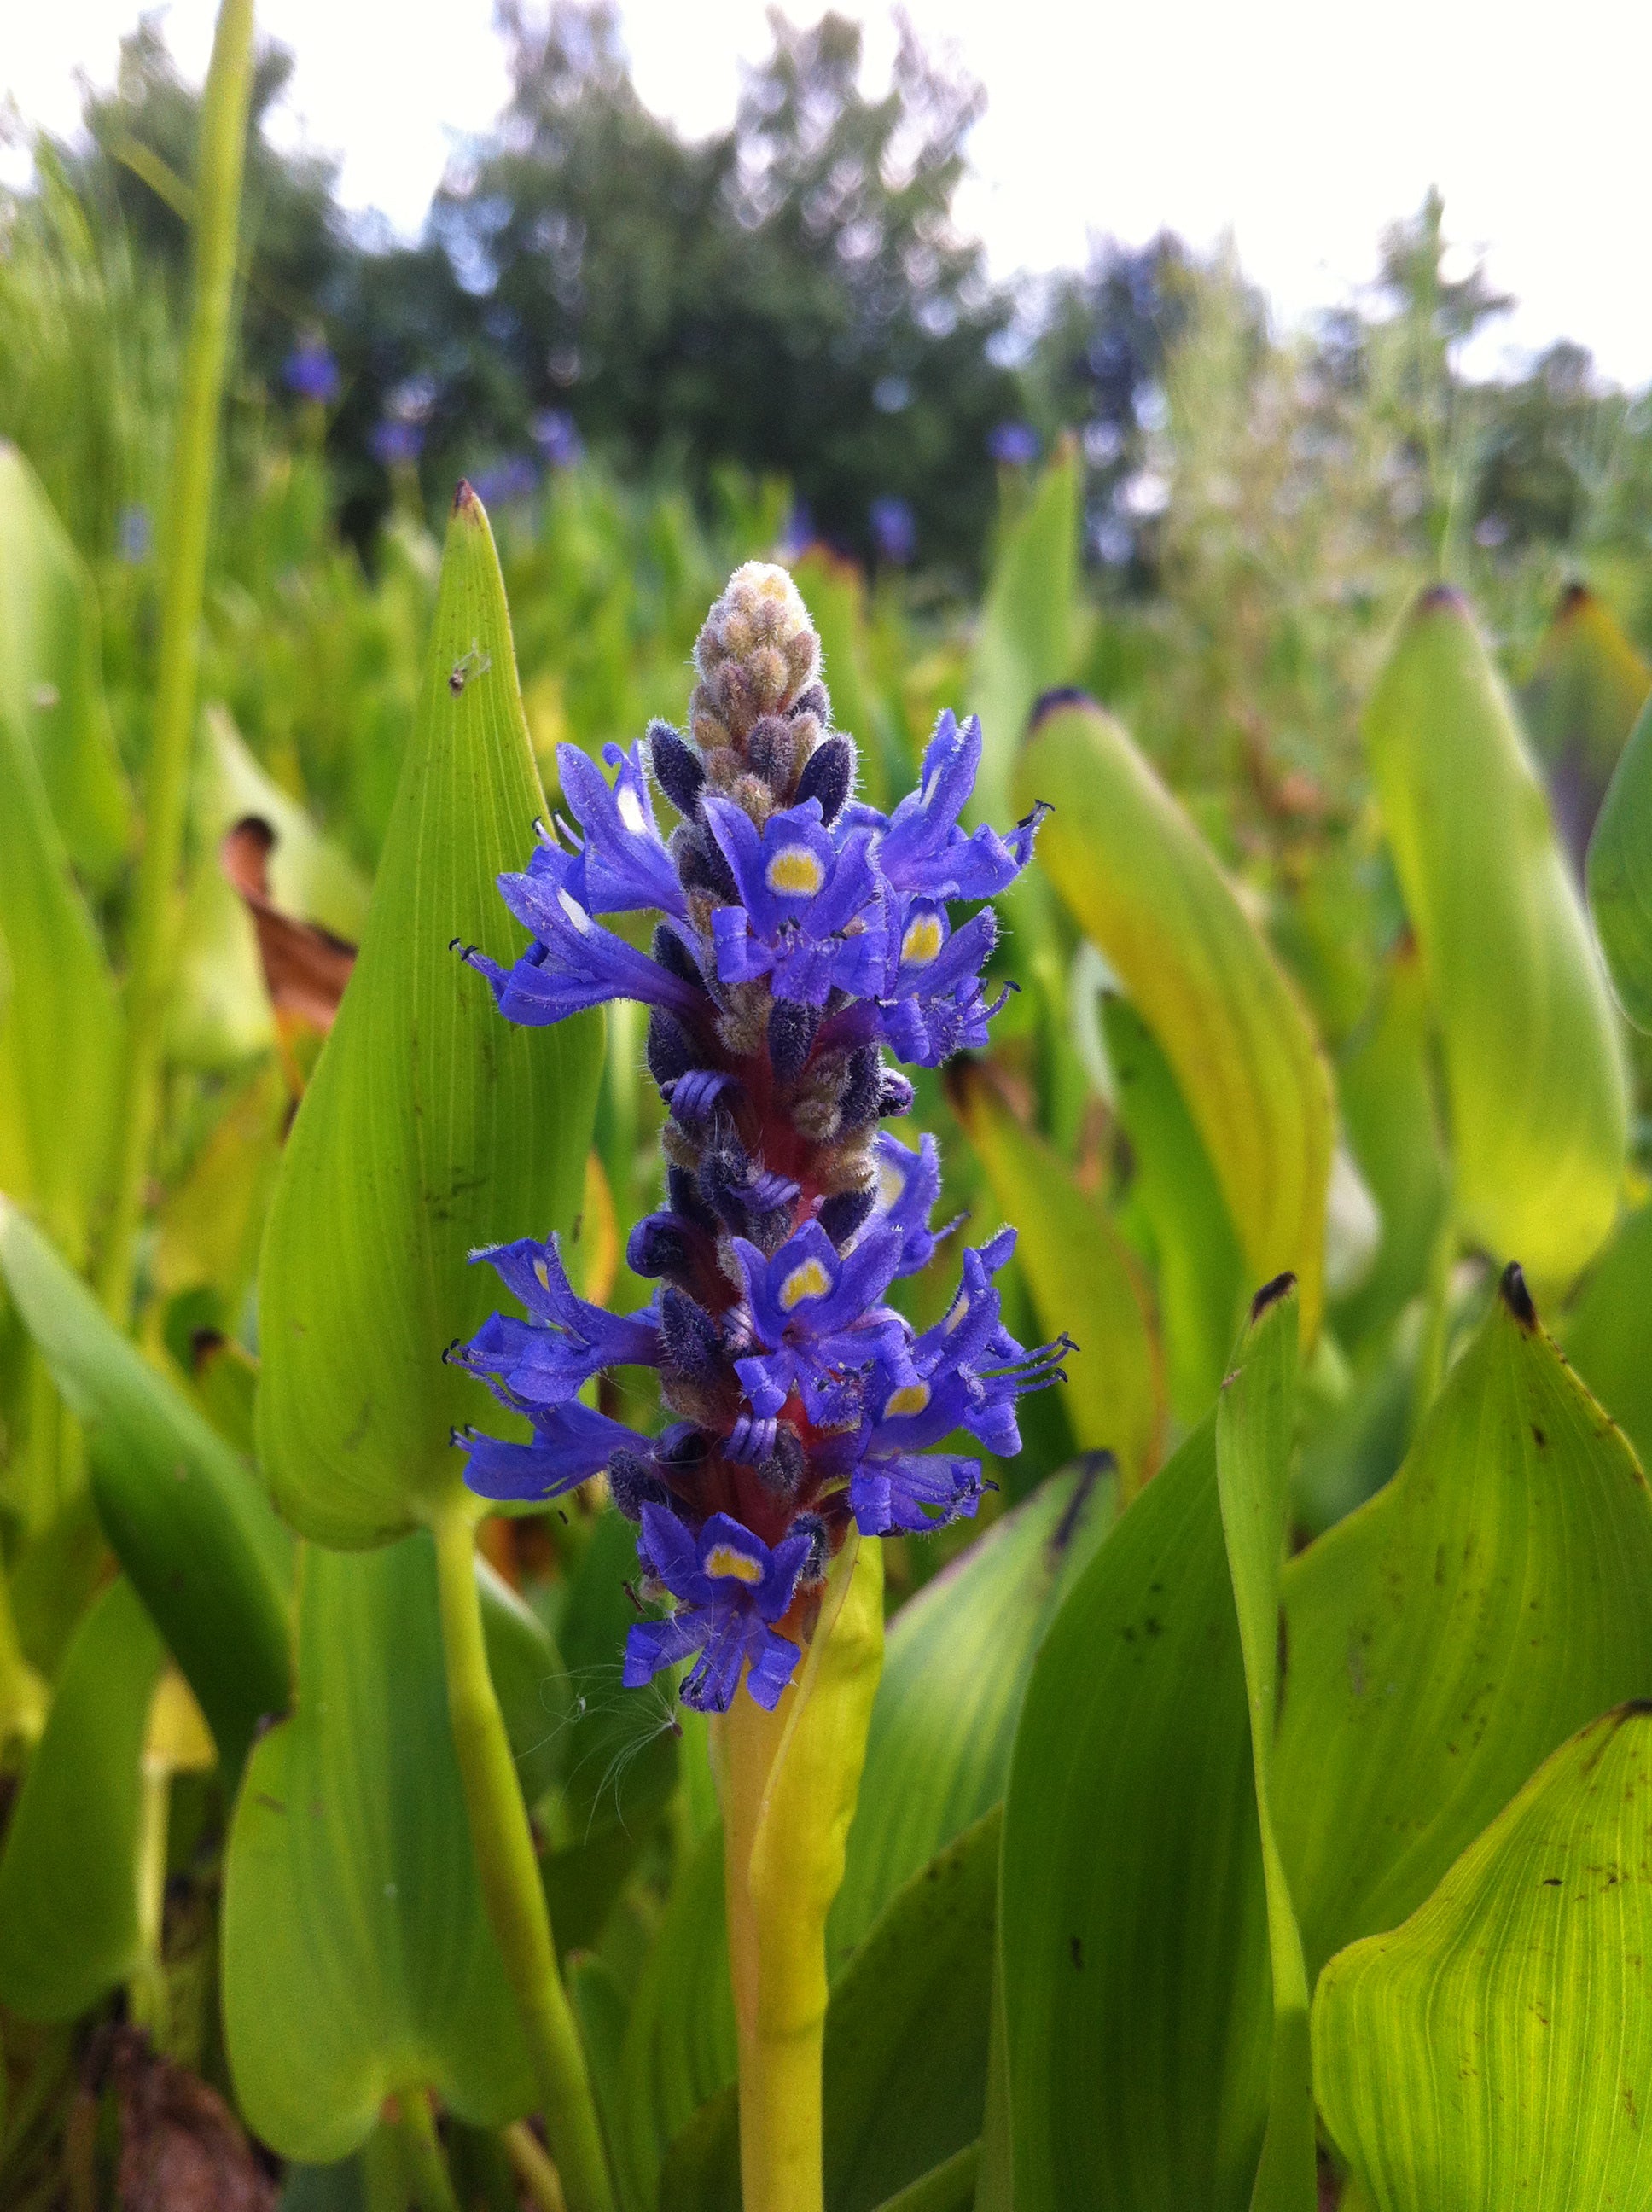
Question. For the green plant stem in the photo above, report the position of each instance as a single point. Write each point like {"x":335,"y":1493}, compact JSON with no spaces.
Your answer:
{"x":146,"y":1993}
{"x":426,"y":2169}
{"x":533,"y":2168}
{"x":189,"y":508}
{"x":509,"y":1871}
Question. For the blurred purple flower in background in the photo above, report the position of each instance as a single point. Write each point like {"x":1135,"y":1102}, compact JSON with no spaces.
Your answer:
{"x":559,"y":441}
{"x":393,"y":444}
{"x":311,"y":372}
{"x":894,"y":529}
{"x":1013,"y":444}
{"x":134,"y":533}
{"x":514,"y":478}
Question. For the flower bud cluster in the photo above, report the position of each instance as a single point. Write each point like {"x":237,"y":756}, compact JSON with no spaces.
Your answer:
{"x":802,"y":935}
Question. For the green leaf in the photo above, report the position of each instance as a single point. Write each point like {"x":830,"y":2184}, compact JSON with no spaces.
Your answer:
{"x":357,"y":1957}
{"x":1083,"y":1278}
{"x":1588,"y":685}
{"x":1620,"y":875}
{"x":56,"y":1073}
{"x":1534,"y":1079}
{"x":1447,"y":1636}
{"x":52,"y":675}
{"x":679,"y":2048}
{"x":956,"y":1662}
{"x":703,"y":2172}
{"x":1385,"y":1083}
{"x":1200,"y":1273}
{"x":906,"y":2028}
{"x":620,"y":1764}
{"x":1026,"y":633}
{"x":187,"y":1517}
{"x":1604,"y":1329}
{"x":431,"y":1125}
{"x":1496,"y":2048}
{"x":69,"y":1906}
{"x":1149,"y":893}
{"x":948,"y":2187}
{"x":221,"y":1011}
{"x":1132,"y":1929}
{"x":529,"y":1681}
{"x":1254,"y":1420}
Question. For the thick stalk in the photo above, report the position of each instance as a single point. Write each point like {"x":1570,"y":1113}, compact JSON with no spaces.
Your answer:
{"x":789,"y":1780}
{"x":146,"y":1991}
{"x":428,"y":2177}
{"x":188,"y":515}
{"x":509,"y":1870}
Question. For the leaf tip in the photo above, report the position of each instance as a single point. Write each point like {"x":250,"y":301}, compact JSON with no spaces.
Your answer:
{"x":465,"y":501}
{"x":1051,"y":703}
{"x":1515,"y":1295}
{"x":1270,"y":1295}
{"x":1441,"y":598}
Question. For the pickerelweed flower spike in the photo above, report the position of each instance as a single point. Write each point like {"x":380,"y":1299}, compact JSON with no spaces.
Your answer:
{"x":803,"y":934}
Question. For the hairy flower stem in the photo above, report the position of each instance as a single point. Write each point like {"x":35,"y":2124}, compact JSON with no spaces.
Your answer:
{"x":789,"y":1780}
{"x":509,"y":1870}
{"x":217,"y":205}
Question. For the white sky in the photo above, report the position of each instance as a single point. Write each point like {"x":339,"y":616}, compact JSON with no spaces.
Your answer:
{"x":1302,"y":125}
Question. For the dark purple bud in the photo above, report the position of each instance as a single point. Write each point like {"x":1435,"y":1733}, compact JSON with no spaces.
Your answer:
{"x":672,"y":1051}
{"x":858,"y":1103}
{"x":842,"y":1213}
{"x":678,"y":769}
{"x":690,"y":1342}
{"x":772,"y":753}
{"x":813,"y":701}
{"x":700,"y":864}
{"x":829,"y":775}
{"x":663,"y":1244}
{"x":633,"y":1484}
{"x":813,"y":1569}
{"x":791,"y":1028}
{"x":675,"y":957}
{"x":783,"y":1471}
{"x":897,"y":1094}
{"x":682,"y":1190}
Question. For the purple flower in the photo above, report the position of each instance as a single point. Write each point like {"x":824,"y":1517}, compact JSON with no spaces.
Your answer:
{"x":625,"y":864}
{"x":545,"y":1360}
{"x":933,"y":1003}
{"x":570,"y":1444}
{"x":134,"y":534}
{"x":729,"y":1588}
{"x":574,"y":964}
{"x":810,"y":919}
{"x":894,"y":529}
{"x":1013,"y":445}
{"x":513,"y":478}
{"x":908,"y":1184}
{"x":921,"y":847}
{"x":310,"y":372}
{"x":559,"y":442}
{"x":395,"y":444}
{"x":814,"y":1322}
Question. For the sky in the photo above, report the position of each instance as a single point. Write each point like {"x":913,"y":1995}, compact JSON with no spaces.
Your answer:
{"x":1300,"y":126}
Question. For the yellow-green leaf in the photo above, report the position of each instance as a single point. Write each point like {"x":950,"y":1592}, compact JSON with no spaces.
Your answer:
{"x":431,"y":1125}
{"x":1027,"y":624}
{"x":1148,"y":891}
{"x":1496,"y":2050}
{"x":1534,"y":1078}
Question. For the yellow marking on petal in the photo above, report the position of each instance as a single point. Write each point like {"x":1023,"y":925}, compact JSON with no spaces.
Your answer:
{"x":922,"y":940}
{"x":810,"y":1280}
{"x":796,"y":872}
{"x":958,"y":1311}
{"x":911,"y":1398}
{"x":731,"y":1566}
{"x":891,"y":1181}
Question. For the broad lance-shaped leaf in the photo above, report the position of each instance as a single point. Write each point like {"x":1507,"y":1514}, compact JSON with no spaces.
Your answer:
{"x":1133,"y":1925}
{"x":1620,"y":875}
{"x":1588,"y":685}
{"x":431,"y":1125}
{"x":1496,"y":2050}
{"x":191,"y":1523}
{"x":1534,"y":1078}
{"x":357,"y":1957}
{"x":955,"y":1663}
{"x":1026,"y":636}
{"x":70,"y":1928}
{"x":1443,"y":1639}
{"x":1253,"y":1474}
{"x":1083,"y":1278}
{"x":1149,"y":893}
{"x":1603,"y":1331}
{"x":52,"y":675}
{"x":1174,"y":1207}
